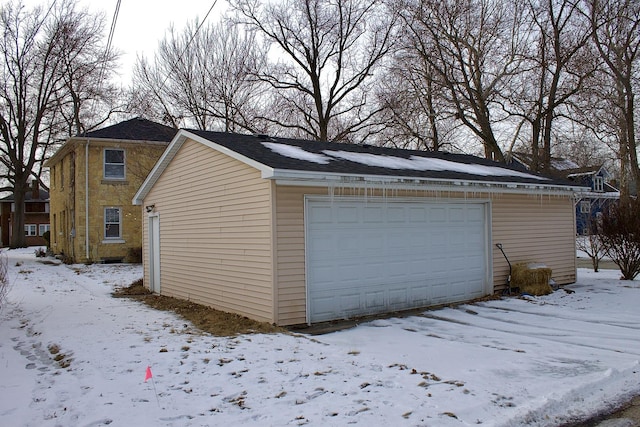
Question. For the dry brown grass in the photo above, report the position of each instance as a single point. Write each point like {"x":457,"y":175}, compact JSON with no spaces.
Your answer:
{"x":205,"y":318}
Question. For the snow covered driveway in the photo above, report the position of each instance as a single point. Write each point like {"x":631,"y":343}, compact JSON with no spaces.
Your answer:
{"x":71,"y":355}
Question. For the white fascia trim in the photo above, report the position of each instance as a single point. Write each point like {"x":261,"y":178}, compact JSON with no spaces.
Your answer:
{"x":594,"y":195}
{"x":171,"y":152}
{"x":311,"y":179}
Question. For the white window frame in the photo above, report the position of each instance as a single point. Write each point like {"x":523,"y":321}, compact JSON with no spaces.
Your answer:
{"x":105,"y":164}
{"x":30,"y":230}
{"x":585,"y":206}
{"x":108,"y":223}
{"x":43,"y":228}
{"x":598,"y":183}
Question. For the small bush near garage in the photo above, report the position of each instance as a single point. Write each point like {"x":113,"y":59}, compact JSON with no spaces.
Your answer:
{"x":619,"y":231}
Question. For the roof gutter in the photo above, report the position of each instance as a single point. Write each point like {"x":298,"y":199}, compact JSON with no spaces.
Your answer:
{"x":311,"y":179}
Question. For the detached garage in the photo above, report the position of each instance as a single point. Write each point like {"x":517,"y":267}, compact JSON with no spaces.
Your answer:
{"x":292,"y":231}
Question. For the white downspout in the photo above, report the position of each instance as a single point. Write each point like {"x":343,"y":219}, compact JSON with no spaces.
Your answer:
{"x":86,"y":200}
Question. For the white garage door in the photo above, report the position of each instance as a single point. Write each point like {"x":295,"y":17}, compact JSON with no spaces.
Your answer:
{"x":366,"y":257}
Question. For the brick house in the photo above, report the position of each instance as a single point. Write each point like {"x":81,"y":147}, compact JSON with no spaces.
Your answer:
{"x":36,"y":216}
{"x":93,"y":179}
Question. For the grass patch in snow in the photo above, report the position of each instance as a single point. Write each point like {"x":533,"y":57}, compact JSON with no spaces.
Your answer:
{"x":205,"y":318}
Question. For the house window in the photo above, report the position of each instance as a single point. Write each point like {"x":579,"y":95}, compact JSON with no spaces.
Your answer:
{"x":113,"y":164}
{"x":598,"y":183}
{"x":112,"y":223}
{"x":30,"y":229}
{"x":585,"y":206}
{"x":43,"y":228}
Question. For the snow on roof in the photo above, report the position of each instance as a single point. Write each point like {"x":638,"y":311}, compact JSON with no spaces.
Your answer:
{"x":563,"y":164}
{"x":416,"y":163}
{"x":294,"y":152}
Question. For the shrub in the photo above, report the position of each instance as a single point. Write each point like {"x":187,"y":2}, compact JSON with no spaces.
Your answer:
{"x":47,"y":237}
{"x":619,"y":231}
{"x":40,"y":253}
{"x":134,"y":255}
{"x":66,"y":259}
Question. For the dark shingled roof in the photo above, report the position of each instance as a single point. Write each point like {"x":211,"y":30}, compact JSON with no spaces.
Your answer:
{"x":28,"y":196}
{"x":253,"y":147}
{"x":137,"y":129}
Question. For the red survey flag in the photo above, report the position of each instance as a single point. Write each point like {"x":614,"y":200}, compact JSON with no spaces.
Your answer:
{"x":148,"y":374}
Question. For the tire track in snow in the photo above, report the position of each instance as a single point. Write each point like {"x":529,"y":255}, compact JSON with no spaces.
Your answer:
{"x":561,"y":333}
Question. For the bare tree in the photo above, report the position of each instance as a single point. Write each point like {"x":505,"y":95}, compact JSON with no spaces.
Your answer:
{"x":619,"y":235}
{"x":559,"y":63}
{"x":327,"y":53}
{"x":416,"y":114}
{"x":90,"y":97}
{"x":37,"y":47}
{"x":591,"y":245}
{"x":203,"y":76}
{"x":616,"y":34}
{"x":473,"y":47}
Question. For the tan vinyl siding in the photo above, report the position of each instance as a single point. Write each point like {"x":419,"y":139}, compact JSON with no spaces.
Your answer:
{"x":534,"y":229}
{"x":530,"y":227}
{"x":290,"y":253}
{"x":215,"y":232}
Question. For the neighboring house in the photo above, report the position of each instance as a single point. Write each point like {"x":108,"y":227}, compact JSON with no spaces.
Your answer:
{"x":598,"y":193}
{"x":93,"y":178}
{"x":590,"y":204}
{"x":291,"y":232}
{"x":36,"y":216}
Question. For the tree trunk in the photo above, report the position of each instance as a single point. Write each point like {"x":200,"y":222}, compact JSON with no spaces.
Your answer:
{"x":18,"y":239}
{"x":631,"y":138}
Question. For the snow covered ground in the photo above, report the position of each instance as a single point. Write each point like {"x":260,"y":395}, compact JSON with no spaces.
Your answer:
{"x":71,"y":355}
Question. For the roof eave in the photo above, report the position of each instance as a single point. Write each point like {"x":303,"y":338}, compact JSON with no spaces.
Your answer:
{"x":315,"y":179}
{"x":600,"y":195}
{"x":70,"y":143}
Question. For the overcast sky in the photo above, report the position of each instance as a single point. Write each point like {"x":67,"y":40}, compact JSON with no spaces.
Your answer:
{"x":142,"y":23}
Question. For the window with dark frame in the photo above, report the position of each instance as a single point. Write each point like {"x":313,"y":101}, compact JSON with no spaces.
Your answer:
{"x":113,"y":164}
{"x":112,"y":221}
{"x":598,"y":183}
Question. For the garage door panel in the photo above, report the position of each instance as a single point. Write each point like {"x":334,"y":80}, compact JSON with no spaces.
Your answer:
{"x":475,"y":214}
{"x":375,"y":300}
{"x":395,"y":214}
{"x":372,"y":215}
{"x":420,"y":295}
{"x":350,"y":302}
{"x":347,"y":215}
{"x":418,"y":215}
{"x":366,"y":257}
{"x":437,"y":214}
{"x":456,"y":215}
